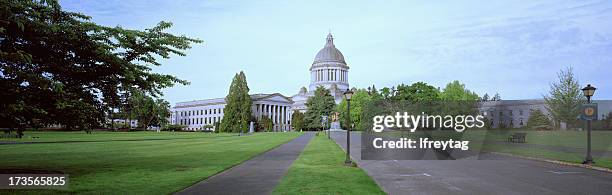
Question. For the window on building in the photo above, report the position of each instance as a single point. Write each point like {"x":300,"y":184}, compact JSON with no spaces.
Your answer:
{"x":521,"y":112}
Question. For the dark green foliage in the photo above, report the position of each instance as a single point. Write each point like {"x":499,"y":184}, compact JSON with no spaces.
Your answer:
{"x":417,"y":92}
{"x":172,"y":127}
{"x":538,"y":121}
{"x":297,"y":121}
{"x":265,"y":124}
{"x":237,"y":112}
{"x":57,"y":67}
{"x":321,"y":104}
{"x":149,"y":111}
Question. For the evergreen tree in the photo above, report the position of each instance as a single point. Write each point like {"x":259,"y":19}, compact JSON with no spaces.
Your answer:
{"x":385,"y":92}
{"x":321,"y":104}
{"x":375,"y":94}
{"x":237,"y":111}
{"x":485,"y":97}
{"x":537,"y":120}
{"x":297,"y":121}
{"x":496,"y":97}
{"x":565,"y":98}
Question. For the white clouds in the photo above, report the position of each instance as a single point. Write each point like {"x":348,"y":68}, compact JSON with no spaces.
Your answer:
{"x":491,"y":46}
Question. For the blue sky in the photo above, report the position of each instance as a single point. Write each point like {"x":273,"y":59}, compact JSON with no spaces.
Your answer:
{"x":514,"y":48}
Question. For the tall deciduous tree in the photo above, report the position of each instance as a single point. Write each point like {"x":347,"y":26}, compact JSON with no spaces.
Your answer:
{"x":237,"y":112}
{"x":58,"y":67}
{"x":456,"y":91}
{"x":564,"y":98}
{"x":359,"y":99}
{"x":417,"y":92}
{"x":321,"y":104}
{"x":149,"y":111}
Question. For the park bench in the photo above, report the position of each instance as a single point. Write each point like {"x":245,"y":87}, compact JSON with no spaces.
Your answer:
{"x":517,"y":137}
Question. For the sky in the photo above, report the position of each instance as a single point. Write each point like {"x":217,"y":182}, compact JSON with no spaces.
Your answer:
{"x":514,"y":48}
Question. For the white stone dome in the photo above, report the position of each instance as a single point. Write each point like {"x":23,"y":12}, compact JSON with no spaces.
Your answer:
{"x":329,"y":53}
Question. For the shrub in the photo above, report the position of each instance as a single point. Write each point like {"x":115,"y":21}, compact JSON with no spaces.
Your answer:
{"x":538,"y":121}
{"x":173,"y":128}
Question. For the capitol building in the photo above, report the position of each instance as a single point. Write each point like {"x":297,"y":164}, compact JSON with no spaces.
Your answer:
{"x":329,"y":69}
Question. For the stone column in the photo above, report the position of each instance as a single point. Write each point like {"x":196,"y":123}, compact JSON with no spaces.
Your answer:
{"x":280,"y":117}
{"x":272,"y":113}
{"x":287,"y":117}
{"x":284,"y":117}
{"x":336,"y":74}
{"x":260,"y":111}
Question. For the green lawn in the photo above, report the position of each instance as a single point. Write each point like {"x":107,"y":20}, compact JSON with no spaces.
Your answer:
{"x":136,"y":167}
{"x":51,"y":136}
{"x":320,"y":170}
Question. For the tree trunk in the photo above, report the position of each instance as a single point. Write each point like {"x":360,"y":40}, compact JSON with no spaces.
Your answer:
{"x":111,"y":113}
{"x":20,"y":130}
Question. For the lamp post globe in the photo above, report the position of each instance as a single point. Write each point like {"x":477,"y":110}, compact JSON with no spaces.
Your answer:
{"x":588,"y":92}
{"x":348,"y":94}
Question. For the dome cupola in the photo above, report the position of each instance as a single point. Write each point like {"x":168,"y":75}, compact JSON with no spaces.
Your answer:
{"x":329,"y":53}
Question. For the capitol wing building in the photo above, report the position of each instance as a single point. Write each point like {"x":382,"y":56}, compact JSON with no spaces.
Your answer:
{"x":329,"y":69}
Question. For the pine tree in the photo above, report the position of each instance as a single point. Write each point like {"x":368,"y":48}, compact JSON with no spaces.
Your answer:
{"x":537,"y":120}
{"x":565,"y":98}
{"x":237,"y":112}
{"x":322,"y":103}
{"x":485,"y":97}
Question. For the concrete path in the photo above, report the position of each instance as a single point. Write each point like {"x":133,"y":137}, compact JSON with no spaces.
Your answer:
{"x":259,"y":175}
{"x":500,"y":175}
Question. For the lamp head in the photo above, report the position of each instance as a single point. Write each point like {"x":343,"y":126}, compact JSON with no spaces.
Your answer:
{"x":588,"y":91}
{"x":348,"y":94}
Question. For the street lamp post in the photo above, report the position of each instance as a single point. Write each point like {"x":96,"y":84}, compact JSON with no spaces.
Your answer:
{"x":588,"y":91}
{"x":348,"y":94}
{"x":324,"y":124}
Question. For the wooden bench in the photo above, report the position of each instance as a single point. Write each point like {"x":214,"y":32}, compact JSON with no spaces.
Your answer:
{"x":517,"y":137}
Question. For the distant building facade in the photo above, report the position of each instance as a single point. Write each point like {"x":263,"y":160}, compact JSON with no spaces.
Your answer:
{"x":516,"y":113}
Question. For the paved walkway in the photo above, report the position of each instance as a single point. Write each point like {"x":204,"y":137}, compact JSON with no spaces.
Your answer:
{"x":500,"y":175}
{"x":259,"y":175}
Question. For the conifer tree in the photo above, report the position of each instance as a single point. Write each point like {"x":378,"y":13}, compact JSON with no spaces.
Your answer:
{"x":237,"y":111}
{"x":537,"y":120}
{"x":565,"y":98}
{"x":322,"y":103}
